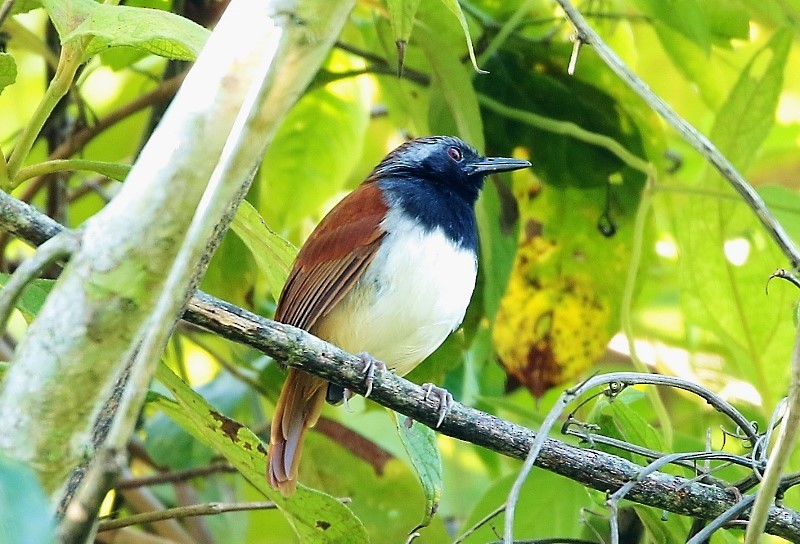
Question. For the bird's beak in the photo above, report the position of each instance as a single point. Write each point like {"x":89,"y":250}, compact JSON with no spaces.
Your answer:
{"x":491,"y":165}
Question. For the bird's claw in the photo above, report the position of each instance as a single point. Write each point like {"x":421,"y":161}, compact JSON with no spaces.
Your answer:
{"x":346,"y":396}
{"x":444,"y":396}
{"x":370,"y":364}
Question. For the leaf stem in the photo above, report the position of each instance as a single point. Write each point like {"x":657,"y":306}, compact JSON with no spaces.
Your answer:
{"x":58,"y":247}
{"x":68,"y":64}
{"x":568,"y":128}
{"x":627,"y":305}
{"x":111,"y":169}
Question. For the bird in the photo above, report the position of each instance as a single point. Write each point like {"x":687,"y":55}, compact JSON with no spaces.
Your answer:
{"x":387,"y":274}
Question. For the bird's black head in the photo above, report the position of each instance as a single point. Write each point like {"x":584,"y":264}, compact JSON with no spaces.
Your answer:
{"x":445,"y":163}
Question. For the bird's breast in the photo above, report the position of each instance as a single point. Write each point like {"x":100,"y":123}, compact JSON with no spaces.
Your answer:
{"x":414,"y":293}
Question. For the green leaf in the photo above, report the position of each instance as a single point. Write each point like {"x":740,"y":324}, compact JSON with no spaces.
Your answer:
{"x":498,"y":229}
{"x":24,"y":6}
{"x":8,"y":70}
{"x":401,"y":17}
{"x":25,"y":514}
{"x":727,"y":20}
{"x":720,"y":287}
{"x":686,"y":16}
{"x":693,"y":62}
{"x":453,"y":6}
{"x":67,"y":15}
{"x":273,"y":254}
{"x":419,"y":442}
{"x":315,"y":516}
{"x":549,"y":506}
{"x":672,"y":530}
{"x":311,"y":157}
{"x":620,"y":418}
{"x":33,"y":296}
{"x":746,"y":118}
{"x":452,"y":82}
{"x":102,"y":26}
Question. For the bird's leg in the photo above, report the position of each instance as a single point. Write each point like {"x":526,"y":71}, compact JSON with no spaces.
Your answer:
{"x":444,"y":396}
{"x":370,"y":364}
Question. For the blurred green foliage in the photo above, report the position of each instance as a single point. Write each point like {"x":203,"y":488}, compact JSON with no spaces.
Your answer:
{"x":694,"y":268}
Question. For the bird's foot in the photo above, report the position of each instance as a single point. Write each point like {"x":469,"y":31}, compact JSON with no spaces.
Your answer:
{"x":346,"y":396}
{"x":444,"y":396}
{"x":370,"y":364}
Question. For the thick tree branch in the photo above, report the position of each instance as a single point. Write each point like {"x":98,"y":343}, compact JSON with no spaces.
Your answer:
{"x":298,"y":348}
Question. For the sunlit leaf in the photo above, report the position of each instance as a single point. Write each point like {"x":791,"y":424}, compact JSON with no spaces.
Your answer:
{"x":726,"y":254}
{"x":273,"y":254}
{"x":420,"y":444}
{"x":401,"y":16}
{"x":454,"y":6}
{"x":746,"y":118}
{"x":451,"y":81}
{"x":315,"y":516}
{"x":8,"y":70}
{"x":102,"y":26}
{"x":311,"y":157}
{"x":686,"y":16}
{"x":33,"y":296}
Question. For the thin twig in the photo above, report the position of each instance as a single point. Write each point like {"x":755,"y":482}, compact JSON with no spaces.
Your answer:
{"x":79,"y":516}
{"x":208,"y":509}
{"x":59,"y":247}
{"x":619,"y":380}
{"x":483,"y":521}
{"x":720,"y":521}
{"x":693,"y":136}
{"x":173,"y":477}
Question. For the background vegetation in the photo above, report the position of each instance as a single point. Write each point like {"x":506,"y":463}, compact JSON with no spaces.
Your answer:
{"x":621,"y":249}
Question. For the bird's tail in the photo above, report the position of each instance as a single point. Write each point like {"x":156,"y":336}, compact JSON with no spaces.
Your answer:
{"x":297,"y":410}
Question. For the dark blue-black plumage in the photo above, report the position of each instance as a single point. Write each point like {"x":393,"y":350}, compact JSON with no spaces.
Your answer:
{"x":437,"y":181}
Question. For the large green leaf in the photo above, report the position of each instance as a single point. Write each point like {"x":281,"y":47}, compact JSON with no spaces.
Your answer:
{"x":726,"y":256}
{"x":420,"y":444}
{"x":102,"y":26}
{"x":25,"y":514}
{"x":315,"y":516}
{"x":312,"y":155}
{"x":273,"y":254}
{"x":694,"y":64}
{"x":452,"y":82}
{"x":33,"y":296}
{"x":686,"y":16}
{"x":401,"y":17}
{"x":549,"y":506}
{"x":454,"y":6}
{"x":746,"y":118}
{"x":8,"y":70}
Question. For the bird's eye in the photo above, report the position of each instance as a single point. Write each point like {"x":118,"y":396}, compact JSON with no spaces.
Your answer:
{"x":455,"y":154}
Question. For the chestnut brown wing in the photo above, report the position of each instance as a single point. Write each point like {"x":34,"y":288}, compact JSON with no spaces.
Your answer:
{"x":333,"y":258}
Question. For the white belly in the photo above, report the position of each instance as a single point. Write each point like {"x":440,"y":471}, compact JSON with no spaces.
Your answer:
{"x":414,"y":293}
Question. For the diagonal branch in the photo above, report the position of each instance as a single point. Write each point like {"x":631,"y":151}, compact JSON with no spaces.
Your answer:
{"x":300,"y":349}
{"x":704,"y":146}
